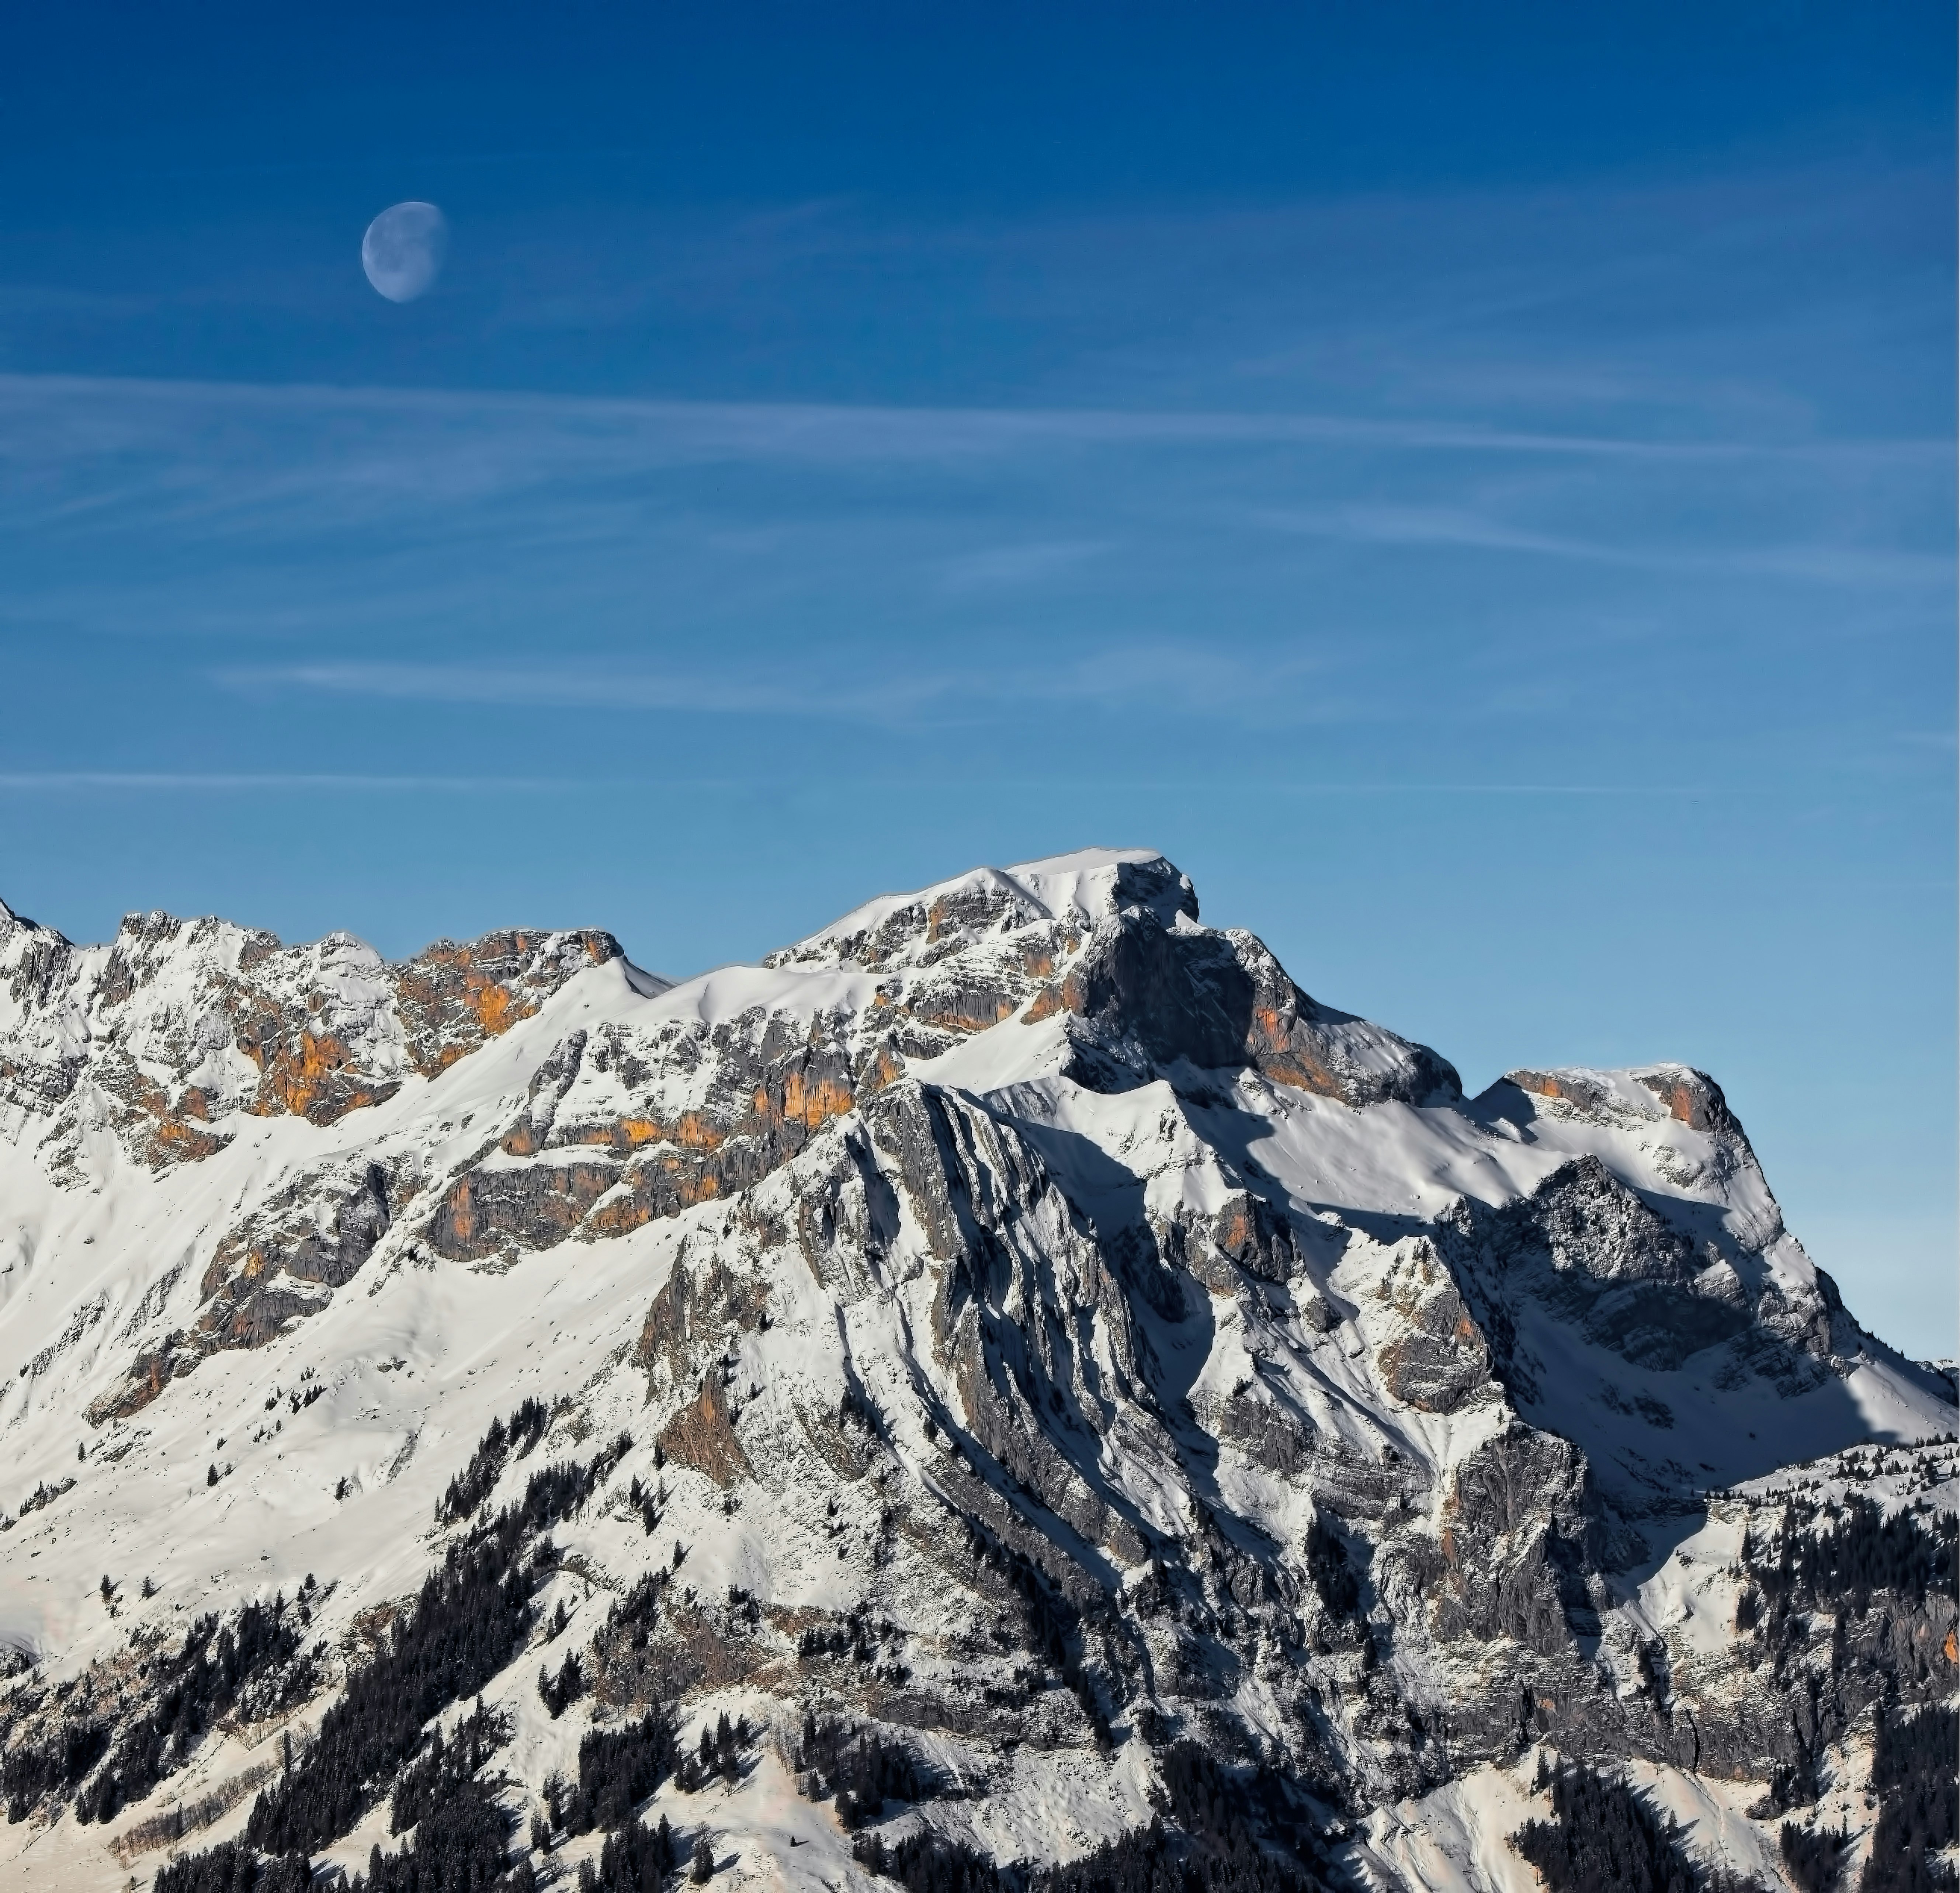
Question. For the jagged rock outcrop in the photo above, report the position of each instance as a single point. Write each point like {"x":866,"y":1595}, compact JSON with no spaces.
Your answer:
{"x":176,"y":1028}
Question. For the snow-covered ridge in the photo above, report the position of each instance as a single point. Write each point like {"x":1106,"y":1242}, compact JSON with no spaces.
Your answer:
{"x":1333,"y":1415}
{"x":1078,"y":890}
{"x":176,"y":1025}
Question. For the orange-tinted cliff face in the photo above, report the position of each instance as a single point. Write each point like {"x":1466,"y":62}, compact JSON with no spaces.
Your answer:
{"x":177,"y":1026}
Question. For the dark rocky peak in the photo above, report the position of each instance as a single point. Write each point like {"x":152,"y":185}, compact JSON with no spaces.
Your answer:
{"x":1616,"y":1318}
{"x":11,"y":923}
{"x":33,"y":959}
{"x":1585,"y":1222}
{"x":1111,"y":939}
{"x":1155,"y":993}
{"x":1591,"y":1251}
{"x":1043,"y":907}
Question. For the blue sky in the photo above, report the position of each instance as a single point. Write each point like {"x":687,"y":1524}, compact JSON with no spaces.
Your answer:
{"x":1474,"y":486}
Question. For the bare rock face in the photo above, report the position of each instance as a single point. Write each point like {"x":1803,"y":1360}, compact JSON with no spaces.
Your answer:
{"x":1151,"y":995}
{"x":278,"y":1265}
{"x":1435,"y":1356}
{"x":452,"y":997}
{"x":1521,"y":1536}
{"x":1014,"y":1337}
{"x":178,"y":1027}
{"x":1586,"y":1245}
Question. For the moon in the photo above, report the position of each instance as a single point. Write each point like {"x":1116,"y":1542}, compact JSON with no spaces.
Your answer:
{"x":403,"y":249}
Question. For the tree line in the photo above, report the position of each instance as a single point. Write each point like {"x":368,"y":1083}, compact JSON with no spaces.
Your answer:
{"x":1914,"y":1775}
{"x":469,"y":1620}
{"x":507,"y":1440}
{"x":1605,"y":1837}
{"x":1862,"y":1550}
{"x":862,"y":1766}
{"x":198,"y":1685}
{"x":1218,"y":1829}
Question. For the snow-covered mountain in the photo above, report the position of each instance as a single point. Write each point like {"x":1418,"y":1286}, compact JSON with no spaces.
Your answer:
{"x":1031,"y":1368}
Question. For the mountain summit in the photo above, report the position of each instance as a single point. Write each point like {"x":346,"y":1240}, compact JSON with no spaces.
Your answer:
{"x":1010,"y":1391}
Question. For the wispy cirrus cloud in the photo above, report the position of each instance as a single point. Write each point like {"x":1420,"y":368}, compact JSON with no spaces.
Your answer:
{"x":1460,"y":466}
{"x":1459,"y":528}
{"x":365,"y":525}
{"x":1202,"y":677}
{"x":85,"y":417}
{"x":227,"y":782}
{"x":145,"y":782}
{"x":1027,"y":562}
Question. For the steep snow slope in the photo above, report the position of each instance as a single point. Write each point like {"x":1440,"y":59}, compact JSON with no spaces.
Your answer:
{"x":1040,"y":1328}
